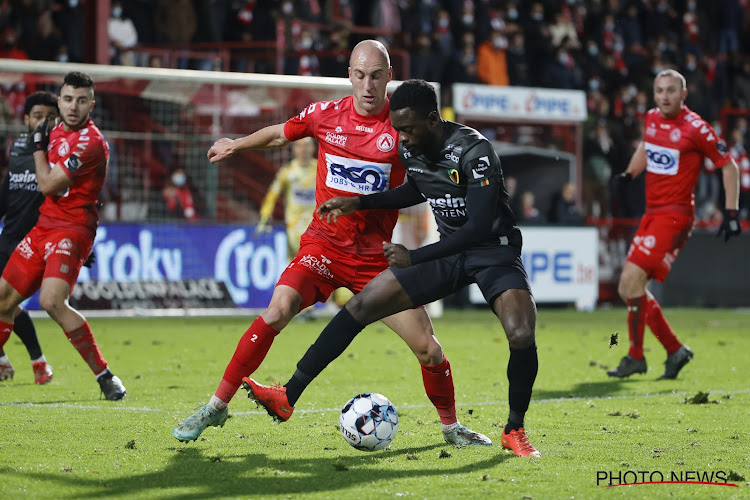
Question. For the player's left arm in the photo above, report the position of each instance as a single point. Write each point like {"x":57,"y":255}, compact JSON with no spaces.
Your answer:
{"x":730,"y":225}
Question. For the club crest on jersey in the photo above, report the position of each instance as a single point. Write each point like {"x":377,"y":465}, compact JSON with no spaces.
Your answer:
{"x":675,"y":135}
{"x":386,"y":142}
{"x":64,"y":148}
{"x":453,"y":174}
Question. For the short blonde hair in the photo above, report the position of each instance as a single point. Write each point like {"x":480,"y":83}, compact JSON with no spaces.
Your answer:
{"x":674,"y":74}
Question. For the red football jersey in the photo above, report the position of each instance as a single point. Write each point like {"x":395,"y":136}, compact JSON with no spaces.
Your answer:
{"x":356,"y":155}
{"x":675,"y":148}
{"x":83,"y":155}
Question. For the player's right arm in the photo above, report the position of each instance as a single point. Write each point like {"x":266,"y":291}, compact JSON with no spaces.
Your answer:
{"x":265,"y":138}
{"x":637,"y":161}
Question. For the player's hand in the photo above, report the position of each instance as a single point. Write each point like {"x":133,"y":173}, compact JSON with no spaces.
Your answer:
{"x":730,"y":225}
{"x":262,"y":229}
{"x":397,"y":255}
{"x":621,"y":180}
{"x":40,"y":137}
{"x":90,"y":260}
{"x":221,"y":150}
{"x":334,"y":208}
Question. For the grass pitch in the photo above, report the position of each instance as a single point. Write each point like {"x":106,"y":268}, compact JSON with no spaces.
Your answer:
{"x":61,"y":441}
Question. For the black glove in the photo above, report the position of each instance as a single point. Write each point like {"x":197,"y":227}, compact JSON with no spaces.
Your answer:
{"x":621,"y":180}
{"x":90,"y":260}
{"x":40,"y":137}
{"x":730,"y":225}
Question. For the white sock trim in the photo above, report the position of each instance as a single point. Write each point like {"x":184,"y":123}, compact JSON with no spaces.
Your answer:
{"x":448,"y":428}
{"x":102,"y":373}
{"x":40,"y":359}
{"x":217,"y":404}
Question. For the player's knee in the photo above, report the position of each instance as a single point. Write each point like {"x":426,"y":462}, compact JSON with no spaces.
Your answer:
{"x":50,"y":303}
{"x":520,"y":336}
{"x":432,"y":354}
{"x":277,"y":316}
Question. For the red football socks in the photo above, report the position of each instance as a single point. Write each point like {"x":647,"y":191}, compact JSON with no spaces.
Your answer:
{"x":83,"y":340}
{"x":438,"y":384}
{"x":5,"y":330}
{"x":250,"y":353}
{"x":659,"y":325}
{"x":636,"y":325}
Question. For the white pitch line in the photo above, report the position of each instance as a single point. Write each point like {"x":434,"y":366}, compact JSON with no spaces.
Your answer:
{"x":115,"y":406}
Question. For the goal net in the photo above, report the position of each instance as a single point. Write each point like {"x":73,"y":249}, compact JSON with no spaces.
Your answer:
{"x":159,"y":120}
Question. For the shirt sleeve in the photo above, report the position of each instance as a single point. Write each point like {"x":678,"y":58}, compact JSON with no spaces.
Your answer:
{"x":406,"y":195}
{"x":299,"y":126}
{"x":712,"y":146}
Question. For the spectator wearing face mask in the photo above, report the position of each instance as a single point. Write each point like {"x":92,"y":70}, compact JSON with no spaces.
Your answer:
{"x":178,"y":198}
{"x":122,"y":36}
{"x":492,"y":66}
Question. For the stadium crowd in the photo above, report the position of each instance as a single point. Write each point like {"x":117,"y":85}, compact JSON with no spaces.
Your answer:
{"x":611,"y":49}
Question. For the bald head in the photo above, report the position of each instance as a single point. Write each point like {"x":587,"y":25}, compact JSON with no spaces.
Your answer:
{"x":369,"y":71}
{"x":369,"y":49}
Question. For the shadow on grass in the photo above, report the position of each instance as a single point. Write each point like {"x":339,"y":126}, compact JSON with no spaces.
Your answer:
{"x":602,"y":388}
{"x":195,"y":475}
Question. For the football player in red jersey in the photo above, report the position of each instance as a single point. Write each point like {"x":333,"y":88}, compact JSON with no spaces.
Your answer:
{"x":71,"y":162}
{"x":357,"y":154}
{"x":674,"y":144}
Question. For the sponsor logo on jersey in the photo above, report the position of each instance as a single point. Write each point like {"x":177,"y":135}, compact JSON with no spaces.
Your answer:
{"x":484,"y":164}
{"x":455,"y":148}
{"x":63,"y":149}
{"x":362,"y":128}
{"x":65,"y":244}
{"x":661,"y":160}
{"x":386,"y":142}
{"x":450,"y":156}
{"x":701,"y":126}
{"x":447,"y":202}
{"x":357,"y":176}
{"x":339,"y":129}
{"x":336,"y":139}
{"x":453,"y":174}
{"x":417,"y":170}
{"x":721,"y":147}
{"x":651,"y":131}
{"x":450,"y":207}
{"x":675,"y":135}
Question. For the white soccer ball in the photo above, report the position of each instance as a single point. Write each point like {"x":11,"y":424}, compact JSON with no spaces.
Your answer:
{"x":369,"y":421}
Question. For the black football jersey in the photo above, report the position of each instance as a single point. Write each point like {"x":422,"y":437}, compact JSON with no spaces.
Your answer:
{"x":467,"y":159}
{"x":20,"y":197}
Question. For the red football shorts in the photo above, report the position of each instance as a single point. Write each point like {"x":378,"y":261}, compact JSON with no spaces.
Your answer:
{"x":318,"y":269}
{"x":47,"y":253}
{"x":658,"y":241}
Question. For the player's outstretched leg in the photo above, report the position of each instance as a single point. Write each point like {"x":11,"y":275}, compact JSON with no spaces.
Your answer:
{"x":676,"y":361}
{"x":193,"y":426}
{"x":6,"y":368}
{"x":271,"y":397}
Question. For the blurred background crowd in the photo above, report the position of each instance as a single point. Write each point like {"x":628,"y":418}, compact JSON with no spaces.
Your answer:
{"x":611,"y":49}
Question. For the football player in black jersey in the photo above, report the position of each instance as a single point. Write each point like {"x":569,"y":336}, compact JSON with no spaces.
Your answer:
{"x":456,"y":170}
{"x":20,"y":199}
